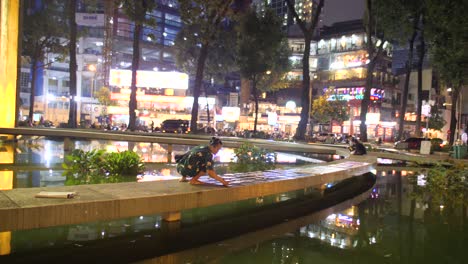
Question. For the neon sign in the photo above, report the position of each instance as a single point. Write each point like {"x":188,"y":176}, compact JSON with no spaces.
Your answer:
{"x":354,"y":93}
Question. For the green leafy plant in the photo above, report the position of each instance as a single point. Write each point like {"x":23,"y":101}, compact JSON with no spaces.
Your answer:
{"x":83,"y":162}
{"x":444,"y":185}
{"x":251,"y":158}
{"x":123,"y":163}
{"x":96,"y":166}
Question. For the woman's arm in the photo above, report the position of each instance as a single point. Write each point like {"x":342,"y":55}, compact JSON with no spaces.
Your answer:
{"x":215,"y":176}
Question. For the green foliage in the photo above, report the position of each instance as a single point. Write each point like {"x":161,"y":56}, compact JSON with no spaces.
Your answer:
{"x":124,"y":163}
{"x":81,"y":162}
{"x":220,"y":60}
{"x":251,"y":158}
{"x":103,"y":95}
{"x":96,"y":166}
{"x":325,"y":111}
{"x":137,"y":11}
{"x":39,"y":37}
{"x":262,"y":52}
{"x":395,"y":18}
{"x":447,"y":186}
{"x":436,"y":120}
{"x":260,"y":44}
{"x":447,"y":26}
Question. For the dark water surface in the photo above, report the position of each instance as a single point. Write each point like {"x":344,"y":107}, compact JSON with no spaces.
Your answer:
{"x":369,"y":219}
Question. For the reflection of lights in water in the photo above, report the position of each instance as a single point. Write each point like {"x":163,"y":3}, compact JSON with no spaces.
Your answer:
{"x":421,"y":180}
{"x":148,"y":178}
{"x":384,"y":161}
{"x":259,"y":200}
{"x":166,"y":172}
{"x":47,"y":153}
{"x":111,"y":148}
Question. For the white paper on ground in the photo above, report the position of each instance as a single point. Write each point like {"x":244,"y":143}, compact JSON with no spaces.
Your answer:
{"x":62,"y":195}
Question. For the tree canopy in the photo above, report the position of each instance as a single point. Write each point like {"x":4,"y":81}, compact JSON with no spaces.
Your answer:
{"x":266,"y":64}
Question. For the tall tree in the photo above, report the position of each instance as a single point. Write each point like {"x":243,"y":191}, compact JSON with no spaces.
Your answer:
{"x":207,"y":16}
{"x":40,"y":39}
{"x":446,"y":22}
{"x":262,"y":51}
{"x":374,"y":47}
{"x":307,"y":27}
{"x":137,"y":10}
{"x":421,"y":54}
{"x":72,"y":114}
{"x":220,"y":60}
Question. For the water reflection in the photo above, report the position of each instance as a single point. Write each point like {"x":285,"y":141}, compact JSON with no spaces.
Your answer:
{"x":37,"y":161}
{"x":149,"y":236}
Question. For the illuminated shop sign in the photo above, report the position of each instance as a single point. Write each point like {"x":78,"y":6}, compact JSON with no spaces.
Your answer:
{"x":354,"y":93}
{"x":348,"y":60}
{"x":151,"y":79}
{"x":231,"y":114}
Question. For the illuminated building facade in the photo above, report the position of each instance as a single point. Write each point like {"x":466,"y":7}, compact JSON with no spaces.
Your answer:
{"x":341,"y":72}
{"x":106,"y":45}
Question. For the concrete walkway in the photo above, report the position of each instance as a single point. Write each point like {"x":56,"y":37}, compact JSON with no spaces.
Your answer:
{"x":19,"y":209}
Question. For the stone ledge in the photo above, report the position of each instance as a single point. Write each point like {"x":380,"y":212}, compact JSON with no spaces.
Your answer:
{"x":22,"y":210}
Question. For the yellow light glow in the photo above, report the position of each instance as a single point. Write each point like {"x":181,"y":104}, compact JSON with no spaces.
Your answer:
{"x":6,"y":180}
{"x":5,"y":243}
{"x":6,"y":154}
{"x":8,"y":60}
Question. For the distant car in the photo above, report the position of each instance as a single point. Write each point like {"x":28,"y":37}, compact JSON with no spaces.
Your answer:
{"x":410,"y":143}
{"x":178,"y":126}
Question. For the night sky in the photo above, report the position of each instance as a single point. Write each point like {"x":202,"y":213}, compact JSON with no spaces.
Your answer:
{"x":342,"y":10}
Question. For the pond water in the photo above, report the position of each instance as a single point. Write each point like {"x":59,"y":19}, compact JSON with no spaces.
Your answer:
{"x":37,"y":161}
{"x":385,"y":224}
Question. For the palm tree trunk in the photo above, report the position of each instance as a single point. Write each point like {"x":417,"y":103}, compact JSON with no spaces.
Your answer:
{"x":198,"y":83}
{"x":370,"y":71}
{"x":132,"y":107}
{"x":255,"y":94}
{"x":404,"y":103}
{"x":207,"y":105}
{"x":453,"y":114}
{"x":305,"y":99}
{"x":72,"y":114}
{"x":421,"y":53}
{"x":366,"y":99}
{"x":33,"y":90}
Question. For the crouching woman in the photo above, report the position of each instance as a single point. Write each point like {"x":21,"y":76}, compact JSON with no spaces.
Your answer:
{"x":199,"y":161}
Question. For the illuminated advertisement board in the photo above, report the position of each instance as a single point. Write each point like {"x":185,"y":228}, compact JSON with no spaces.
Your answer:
{"x":354,"y":93}
{"x":354,"y":59}
{"x":231,"y":114}
{"x":150,"y":79}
